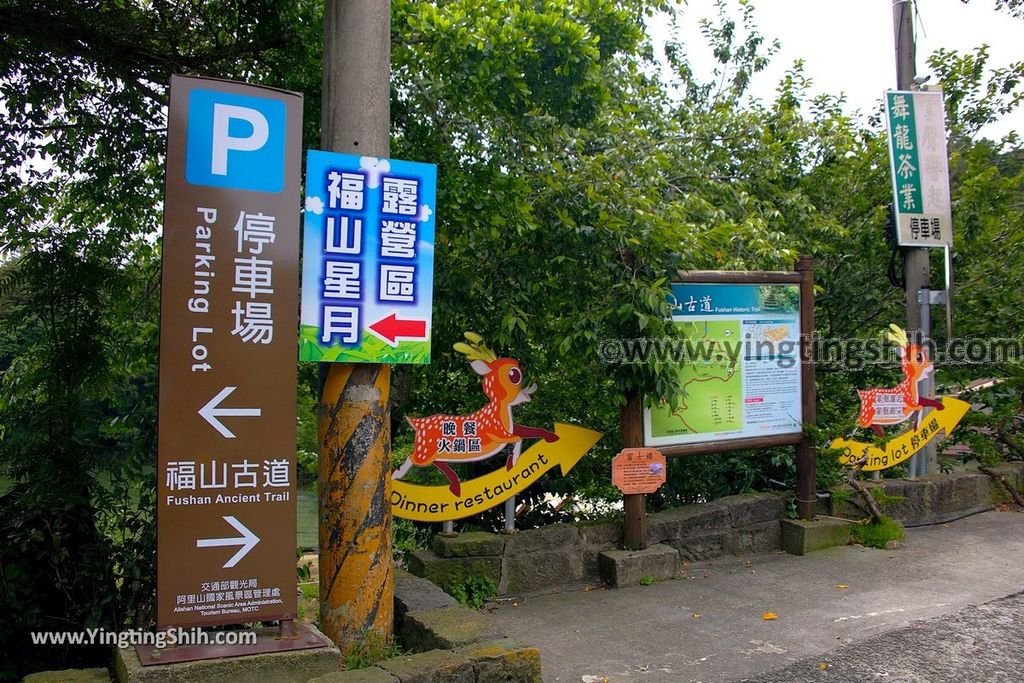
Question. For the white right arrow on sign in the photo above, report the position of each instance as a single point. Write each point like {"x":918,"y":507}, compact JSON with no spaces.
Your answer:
{"x":247,"y":540}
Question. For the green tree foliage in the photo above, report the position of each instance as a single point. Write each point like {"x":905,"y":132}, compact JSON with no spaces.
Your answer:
{"x":77,"y":408}
{"x":564,"y":209}
{"x":1014,"y":7}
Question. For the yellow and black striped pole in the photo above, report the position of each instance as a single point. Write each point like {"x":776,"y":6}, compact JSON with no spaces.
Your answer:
{"x":356,"y":581}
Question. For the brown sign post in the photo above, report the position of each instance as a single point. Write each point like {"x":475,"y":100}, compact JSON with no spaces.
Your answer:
{"x":226,"y":451}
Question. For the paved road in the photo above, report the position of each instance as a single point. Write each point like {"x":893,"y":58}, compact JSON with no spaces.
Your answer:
{"x":708,"y":626}
{"x":981,"y":643}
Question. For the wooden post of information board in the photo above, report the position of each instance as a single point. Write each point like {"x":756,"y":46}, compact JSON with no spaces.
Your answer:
{"x":805,"y":466}
{"x":634,"y":535}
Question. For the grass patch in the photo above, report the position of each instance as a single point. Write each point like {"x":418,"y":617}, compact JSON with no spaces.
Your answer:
{"x":647,"y":580}
{"x":474,"y":591}
{"x":877,"y":534}
{"x":371,"y":647}
{"x":309,"y":603}
{"x":884,"y":499}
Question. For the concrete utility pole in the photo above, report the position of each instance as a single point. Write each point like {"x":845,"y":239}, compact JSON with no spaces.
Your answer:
{"x":915,"y":260}
{"x":356,"y":579}
{"x":916,"y":264}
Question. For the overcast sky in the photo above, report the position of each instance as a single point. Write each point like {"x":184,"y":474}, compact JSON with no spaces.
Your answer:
{"x":847,"y":45}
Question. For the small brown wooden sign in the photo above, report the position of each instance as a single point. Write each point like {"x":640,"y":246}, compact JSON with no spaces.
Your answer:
{"x":226,"y":447}
{"x":638,"y":470}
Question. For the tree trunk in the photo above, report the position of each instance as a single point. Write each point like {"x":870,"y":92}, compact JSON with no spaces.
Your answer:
{"x":864,"y":491}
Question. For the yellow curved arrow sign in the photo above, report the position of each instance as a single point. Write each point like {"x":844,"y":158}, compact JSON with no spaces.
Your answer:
{"x":439,"y":504}
{"x":907,"y":444}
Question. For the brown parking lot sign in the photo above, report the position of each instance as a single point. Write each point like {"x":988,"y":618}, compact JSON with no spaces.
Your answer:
{"x":226,"y":451}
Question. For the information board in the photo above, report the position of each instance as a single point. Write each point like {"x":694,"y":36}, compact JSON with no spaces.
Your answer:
{"x":368,"y":259}
{"x":229,"y":292}
{"x":738,"y":361}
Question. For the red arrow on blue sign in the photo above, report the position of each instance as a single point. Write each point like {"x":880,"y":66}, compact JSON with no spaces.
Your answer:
{"x":390,"y":328}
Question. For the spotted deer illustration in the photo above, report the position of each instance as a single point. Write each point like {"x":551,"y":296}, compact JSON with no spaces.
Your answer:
{"x":892,"y":406}
{"x":443,"y":439}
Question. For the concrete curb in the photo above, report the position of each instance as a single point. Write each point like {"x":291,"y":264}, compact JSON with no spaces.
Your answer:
{"x":939,"y":498}
{"x":561,"y":554}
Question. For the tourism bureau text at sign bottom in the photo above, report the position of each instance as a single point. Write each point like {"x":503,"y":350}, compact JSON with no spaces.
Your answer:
{"x":439,"y":504}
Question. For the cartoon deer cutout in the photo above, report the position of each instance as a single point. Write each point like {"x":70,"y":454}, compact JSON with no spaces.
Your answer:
{"x":443,"y":439}
{"x":892,"y":406}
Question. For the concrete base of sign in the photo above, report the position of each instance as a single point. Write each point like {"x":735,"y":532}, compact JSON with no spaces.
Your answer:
{"x":294,"y":665}
{"x":800,"y":537}
{"x":622,"y":568}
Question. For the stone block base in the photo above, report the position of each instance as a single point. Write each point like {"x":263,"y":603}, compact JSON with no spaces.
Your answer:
{"x":450,"y":572}
{"x":800,"y":537}
{"x":621,"y":568}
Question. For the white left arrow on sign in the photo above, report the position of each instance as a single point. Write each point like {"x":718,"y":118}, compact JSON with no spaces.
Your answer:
{"x":247,"y":540}
{"x":211,"y":412}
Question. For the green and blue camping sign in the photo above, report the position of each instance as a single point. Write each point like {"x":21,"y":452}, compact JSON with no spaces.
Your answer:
{"x":368,"y":259}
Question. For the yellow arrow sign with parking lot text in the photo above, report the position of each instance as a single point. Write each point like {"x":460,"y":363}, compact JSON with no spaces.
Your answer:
{"x":907,"y":444}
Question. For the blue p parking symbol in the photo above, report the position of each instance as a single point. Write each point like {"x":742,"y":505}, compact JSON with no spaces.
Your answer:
{"x":235,"y":141}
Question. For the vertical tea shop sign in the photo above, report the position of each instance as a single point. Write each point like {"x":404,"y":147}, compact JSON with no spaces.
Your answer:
{"x":226,"y":445}
{"x":920,"y":170}
{"x":368,"y":259}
